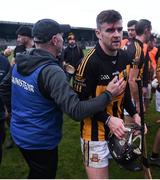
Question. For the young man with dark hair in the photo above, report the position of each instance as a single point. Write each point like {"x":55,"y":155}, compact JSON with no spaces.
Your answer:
{"x":131,"y":33}
{"x":138,"y":51}
{"x":40,"y":93}
{"x":96,"y":70}
{"x":131,"y":28}
{"x":140,"y":59}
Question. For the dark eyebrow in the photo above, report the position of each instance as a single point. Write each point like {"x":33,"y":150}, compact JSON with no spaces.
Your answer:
{"x":111,"y":30}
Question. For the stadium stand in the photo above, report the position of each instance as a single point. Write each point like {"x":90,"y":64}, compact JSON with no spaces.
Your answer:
{"x":86,"y":37}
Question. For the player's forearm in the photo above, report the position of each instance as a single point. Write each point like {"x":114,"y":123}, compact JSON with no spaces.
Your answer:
{"x":134,"y":90}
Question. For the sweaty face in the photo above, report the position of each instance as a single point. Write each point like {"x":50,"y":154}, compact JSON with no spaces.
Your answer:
{"x":131,"y":31}
{"x":110,"y":35}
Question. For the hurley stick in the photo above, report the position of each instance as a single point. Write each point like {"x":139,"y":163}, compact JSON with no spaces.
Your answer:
{"x":146,"y":169}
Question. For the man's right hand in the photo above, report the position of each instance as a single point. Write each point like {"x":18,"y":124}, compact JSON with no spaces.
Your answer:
{"x":116,"y":126}
{"x":116,"y":87}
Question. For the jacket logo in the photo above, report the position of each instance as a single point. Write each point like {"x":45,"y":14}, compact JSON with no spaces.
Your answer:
{"x":104,"y":77}
{"x":23,"y":84}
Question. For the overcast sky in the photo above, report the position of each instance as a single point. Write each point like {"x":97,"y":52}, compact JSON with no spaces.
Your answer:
{"x":79,"y":13}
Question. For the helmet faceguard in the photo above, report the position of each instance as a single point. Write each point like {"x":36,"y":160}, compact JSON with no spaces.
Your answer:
{"x":127,"y":149}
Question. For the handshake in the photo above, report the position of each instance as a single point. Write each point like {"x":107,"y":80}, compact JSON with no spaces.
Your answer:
{"x":116,"y":87}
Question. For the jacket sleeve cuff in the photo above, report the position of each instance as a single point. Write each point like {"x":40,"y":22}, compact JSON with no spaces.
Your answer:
{"x":108,"y":94}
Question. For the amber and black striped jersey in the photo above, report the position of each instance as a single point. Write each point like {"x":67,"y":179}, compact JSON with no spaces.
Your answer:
{"x":139,"y":55}
{"x":134,"y":49}
{"x":93,"y":75}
